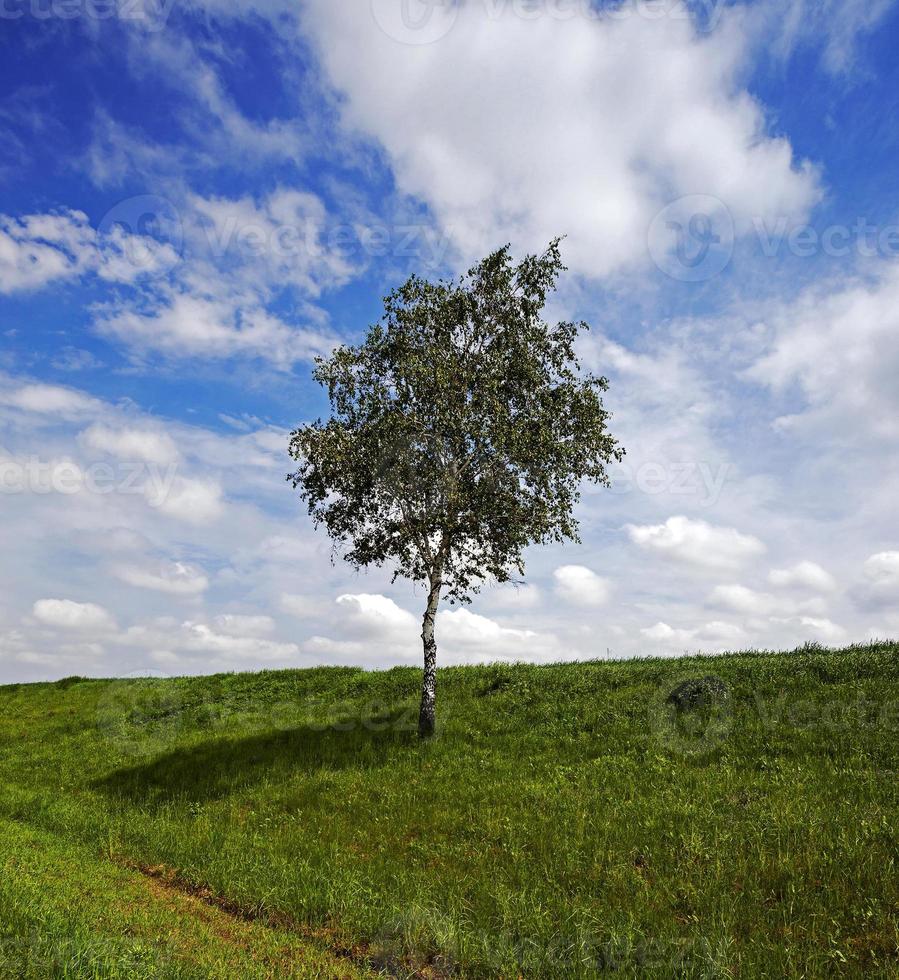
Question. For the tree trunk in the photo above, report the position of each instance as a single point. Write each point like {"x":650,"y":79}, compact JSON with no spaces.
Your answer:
{"x":427,"y":717}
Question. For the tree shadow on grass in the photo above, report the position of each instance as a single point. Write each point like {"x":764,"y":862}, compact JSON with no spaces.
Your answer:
{"x":214,"y":769}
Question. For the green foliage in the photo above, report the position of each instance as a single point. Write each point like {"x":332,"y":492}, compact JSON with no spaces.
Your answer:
{"x":577,"y":824}
{"x":461,"y":429}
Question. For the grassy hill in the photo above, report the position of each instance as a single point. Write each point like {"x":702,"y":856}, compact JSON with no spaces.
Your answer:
{"x":565,"y":822}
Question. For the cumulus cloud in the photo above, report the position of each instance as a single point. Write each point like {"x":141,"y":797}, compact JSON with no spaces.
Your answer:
{"x":715,"y":635}
{"x":301,"y":606}
{"x":374,"y":629}
{"x":376,"y":616}
{"x":467,"y":636}
{"x":740,"y":599}
{"x":38,"y":249}
{"x":697,"y":542}
{"x":881,"y":580}
{"x":592,"y":123}
{"x":662,"y":631}
{"x":216,"y":302}
{"x":284,"y":238}
{"x":172,"y":578}
{"x":206,"y":319}
{"x":191,"y":500}
{"x":65,"y":614}
{"x":150,"y":445}
{"x":46,"y":399}
{"x":804,"y":575}
{"x":519,"y":596}
{"x":243,"y":625}
{"x":821,"y":630}
{"x":581,"y":586}
{"x":197,"y":644}
{"x":833,"y":326}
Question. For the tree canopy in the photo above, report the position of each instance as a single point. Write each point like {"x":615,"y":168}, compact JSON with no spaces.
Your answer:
{"x":461,"y":430}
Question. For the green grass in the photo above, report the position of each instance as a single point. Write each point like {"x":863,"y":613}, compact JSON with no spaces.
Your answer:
{"x":563,"y":823}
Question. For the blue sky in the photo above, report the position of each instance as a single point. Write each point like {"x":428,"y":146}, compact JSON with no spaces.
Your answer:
{"x":198,"y":198}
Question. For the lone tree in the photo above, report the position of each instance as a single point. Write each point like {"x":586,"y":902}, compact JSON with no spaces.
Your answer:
{"x":460,"y":431}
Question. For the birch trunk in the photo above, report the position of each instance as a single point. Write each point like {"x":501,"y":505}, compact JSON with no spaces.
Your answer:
{"x":427,"y":716}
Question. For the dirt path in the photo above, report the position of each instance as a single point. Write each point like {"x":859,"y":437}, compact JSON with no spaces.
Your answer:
{"x":65,"y":908}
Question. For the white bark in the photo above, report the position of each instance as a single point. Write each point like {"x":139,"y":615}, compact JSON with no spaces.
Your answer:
{"x":427,"y":715}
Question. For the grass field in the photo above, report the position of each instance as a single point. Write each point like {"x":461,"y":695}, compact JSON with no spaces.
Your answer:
{"x":565,"y":822}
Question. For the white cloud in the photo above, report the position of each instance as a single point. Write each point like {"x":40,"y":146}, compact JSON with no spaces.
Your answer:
{"x":748,"y":602}
{"x":697,"y":542}
{"x":715,"y":635}
{"x":198,"y":644}
{"x":39,"y":249}
{"x":204,"y":319}
{"x":518,"y":596}
{"x":172,"y":578}
{"x":881,"y":580}
{"x":467,"y":636}
{"x":740,"y":599}
{"x":195,"y":501}
{"x":301,"y":606}
{"x":209,"y":107}
{"x":374,"y":629}
{"x":119,"y":540}
{"x":718,"y":632}
{"x":150,"y":445}
{"x":241,"y":625}
{"x":284,"y":239}
{"x":48,"y":399}
{"x":883,"y":568}
{"x":804,"y":575}
{"x":581,"y":586}
{"x":837,"y":25}
{"x":376,"y":616}
{"x":64,"y":614}
{"x":839,"y":341}
{"x":822,"y":630}
{"x":663,"y":632}
{"x":591,"y":126}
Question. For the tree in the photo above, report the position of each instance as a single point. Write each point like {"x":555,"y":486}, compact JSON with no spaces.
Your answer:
{"x":460,"y":432}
